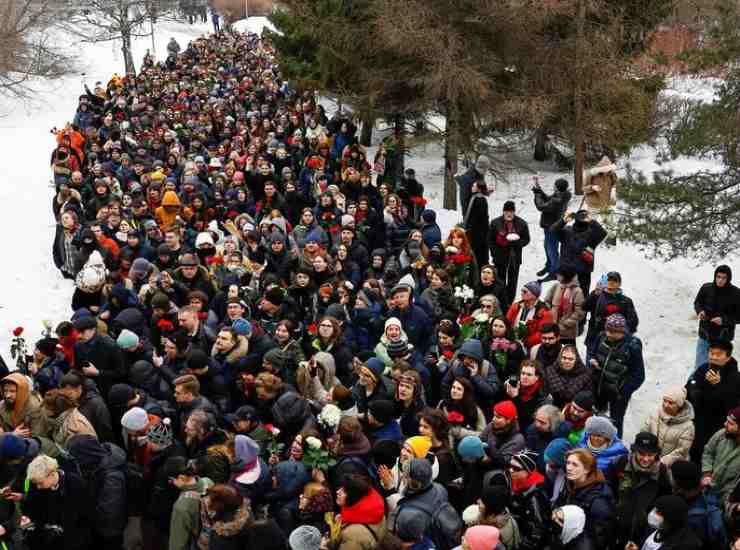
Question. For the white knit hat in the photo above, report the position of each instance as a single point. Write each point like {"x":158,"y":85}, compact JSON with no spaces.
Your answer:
{"x":135,"y":419}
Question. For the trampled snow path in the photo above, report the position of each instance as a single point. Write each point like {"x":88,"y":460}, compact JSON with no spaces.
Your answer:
{"x":32,"y":289}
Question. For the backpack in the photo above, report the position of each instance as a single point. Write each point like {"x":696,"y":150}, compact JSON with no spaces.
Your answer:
{"x":446,"y":526}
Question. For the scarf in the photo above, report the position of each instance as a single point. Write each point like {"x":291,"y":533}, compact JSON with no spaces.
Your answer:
{"x":566,"y":300}
{"x":533,"y":479}
{"x":526,"y":394}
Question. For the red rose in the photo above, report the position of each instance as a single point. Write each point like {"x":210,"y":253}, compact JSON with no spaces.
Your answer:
{"x":420,"y":201}
{"x":612,"y":308}
{"x":465,"y":320}
{"x":165,"y":325}
{"x":312,"y":328}
{"x":455,"y":417}
{"x":448,"y":354}
{"x":460,"y":259}
{"x":17,"y":331}
{"x":203,"y":316}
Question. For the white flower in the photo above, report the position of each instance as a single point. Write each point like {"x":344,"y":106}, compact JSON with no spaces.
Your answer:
{"x":471,"y":515}
{"x":481,"y":318}
{"x":330,"y":416}
{"x":275,"y":432}
{"x":458,"y":292}
{"x":313,"y":442}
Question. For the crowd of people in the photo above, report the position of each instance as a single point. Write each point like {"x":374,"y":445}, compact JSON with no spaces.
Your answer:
{"x":272,"y":344}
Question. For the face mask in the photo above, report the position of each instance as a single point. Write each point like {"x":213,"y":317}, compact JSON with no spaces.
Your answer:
{"x":654,"y":519}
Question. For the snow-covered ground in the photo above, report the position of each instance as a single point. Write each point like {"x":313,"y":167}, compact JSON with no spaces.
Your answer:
{"x":33,"y":289}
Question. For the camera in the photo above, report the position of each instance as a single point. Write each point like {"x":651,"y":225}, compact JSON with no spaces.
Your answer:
{"x":513,"y":381}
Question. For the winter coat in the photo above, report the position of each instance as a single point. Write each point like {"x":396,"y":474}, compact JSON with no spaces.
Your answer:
{"x":431,"y":234}
{"x":675,"y":433}
{"x":363,"y":524}
{"x":63,"y":251}
{"x":507,"y":253}
{"x":144,"y":376}
{"x":28,"y":408}
{"x":599,"y":186}
{"x":721,"y":302}
{"x":564,"y":385}
{"x":416,"y":324}
{"x":529,"y":326}
{"x":605,"y":457}
{"x":68,"y":507}
{"x":530,"y":507}
{"x":93,"y":407}
{"x":185,"y":523}
{"x":575,"y":240}
{"x":721,"y":458}
{"x":503,"y":445}
{"x":567,"y":316}
{"x":552,"y":207}
{"x":104,"y":469}
{"x":597,"y":501}
{"x":622,"y":369}
{"x":486,"y":383}
{"x":465,"y":183}
{"x":67,"y":425}
{"x":225,"y":531}
{"x":636,"y":491}
{"x":103,"y":352}
{"x":712,"y":402}
{"x":600,"y":304}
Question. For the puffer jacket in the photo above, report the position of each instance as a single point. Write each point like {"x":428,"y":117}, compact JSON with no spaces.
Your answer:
{"x":675,"y":433}
{"x":605,"y":457}
{"x":567,"y":316}
{"x":597,"y":501}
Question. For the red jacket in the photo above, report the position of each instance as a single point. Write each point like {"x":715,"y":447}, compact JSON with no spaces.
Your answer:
{"x":542,"y":316}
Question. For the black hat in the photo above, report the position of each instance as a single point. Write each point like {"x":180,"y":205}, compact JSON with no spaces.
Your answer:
{"x":561,"y":185}
{"x":274,"y":296}
{"x":509,"y":206}
{"x":382,"y":410}
{"x":164,"y":250}
{"x":585,"y":400}
{"x":84,"y":323}
{"x":196,"y":359}
{"x":686,"y":475}
{"x":47,"y":346}
{"x":645,"y":442}
{"x":245,"y":412}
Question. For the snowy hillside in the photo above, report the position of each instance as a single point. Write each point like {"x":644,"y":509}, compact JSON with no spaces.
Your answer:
{"x":33,"y":289}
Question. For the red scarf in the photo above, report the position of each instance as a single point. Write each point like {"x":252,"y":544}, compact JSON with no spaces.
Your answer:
{"x":533,"y":479}
{"x":525,"y":394}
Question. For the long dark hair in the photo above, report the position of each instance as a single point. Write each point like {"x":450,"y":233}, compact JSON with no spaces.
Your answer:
{"x":466,"y":405}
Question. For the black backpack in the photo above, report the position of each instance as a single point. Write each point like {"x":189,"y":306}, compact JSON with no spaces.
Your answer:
{"x":446,"y":526}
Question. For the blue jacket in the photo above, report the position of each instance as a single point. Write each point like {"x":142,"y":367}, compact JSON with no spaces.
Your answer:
{"x":607,"y":456}
{"x":431,"y":234}
{"x":416,"y":324}
{"x":391,"y":431}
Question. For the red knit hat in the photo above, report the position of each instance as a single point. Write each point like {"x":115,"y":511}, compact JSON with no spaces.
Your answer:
{"x":506,"y":409}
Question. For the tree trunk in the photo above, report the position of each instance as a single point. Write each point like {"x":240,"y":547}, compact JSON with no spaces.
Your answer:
{"x":366,"y":135}
{"x":399,"y":130}
{"x":578,"y":175}
{"x":128,"y":57}
{"x":449,"y":200}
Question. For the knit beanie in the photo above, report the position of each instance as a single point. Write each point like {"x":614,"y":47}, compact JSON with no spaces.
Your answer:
{"x":305,"y":537}
{"x":526,"y":459}
{"x":135,"y":419}
{"x":505,"y":409}
{"x":556,"y":450}
{"x":471,"y":448}
{"x":420,"y":444}
{"x":127,"y":339}
{"x":534,"y":287}
{"x":420,"y":472}
{"x":585,"y":400}
{"x":481,"y":537}
{"x":120,"y":394}
{"x":12,"y":446}
{"x":677,"y":394}
{"x":160,"y":301}
{"x":398,"y":348}
{"x":160,"y":433}
{"x":139,"y":268}
{"x":600,"y":425}
{"x":375,"y":366}
{"x":616,"y":322}
{"x":735,"y":414}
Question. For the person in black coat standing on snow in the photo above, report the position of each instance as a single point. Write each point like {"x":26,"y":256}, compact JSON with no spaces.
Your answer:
{"x":552,"y":207}
{"x":579,"y":244}
{"x":476,"y":222}
{"x":718,"y":307}
{"x":507,"y":236}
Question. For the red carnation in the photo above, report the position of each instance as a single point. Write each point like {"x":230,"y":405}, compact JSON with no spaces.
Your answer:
{"x":448,"y":355}
{"x":612,"y":308}
{"x":419,"y":201}
{"x":460,"y":259}
{"x":454,"y":417}
{"x":17,"y":331}
{"x":465,"y":320}
{"x":312,"y":328}
{"x":165,"y":325}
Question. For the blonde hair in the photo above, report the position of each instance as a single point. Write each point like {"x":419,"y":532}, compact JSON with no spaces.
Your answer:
{"x":41,"y":467}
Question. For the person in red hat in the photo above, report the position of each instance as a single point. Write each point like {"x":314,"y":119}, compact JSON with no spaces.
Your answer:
{"x":502,"y":435}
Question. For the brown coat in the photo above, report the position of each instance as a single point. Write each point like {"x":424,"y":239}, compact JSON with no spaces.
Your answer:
{"x":598,"y":184}
{"x":568,"y":323}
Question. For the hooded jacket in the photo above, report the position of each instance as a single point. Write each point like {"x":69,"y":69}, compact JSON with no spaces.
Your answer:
{"x":363,"y":523}
{"x":604,"y":457}
{"x":723,"y":302}
{"x":27,"y":409}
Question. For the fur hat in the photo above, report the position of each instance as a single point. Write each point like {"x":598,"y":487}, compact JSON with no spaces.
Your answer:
{"x":305,"y":537}
{"x":600,"y":425}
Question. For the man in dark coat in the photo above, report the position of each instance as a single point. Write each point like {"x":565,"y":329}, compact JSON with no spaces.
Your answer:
{"x":507,"y":236}
{"x":713,"y":390}
{"x":90,"y":403}
{"x":608,"y":300}
{"x":466,"y":180}
{"x":552,"y":207}
{"x":98,"y":355}
{"x":579,"y":244}
{"x":475,"y":222}
{"x":718,"y":306}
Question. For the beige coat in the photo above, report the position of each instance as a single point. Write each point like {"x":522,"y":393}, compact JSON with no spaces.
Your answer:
{"x":568,"y":323}
{"x":599,"y":186}
{"x":357,"y":536}
{"x":675,"y":433}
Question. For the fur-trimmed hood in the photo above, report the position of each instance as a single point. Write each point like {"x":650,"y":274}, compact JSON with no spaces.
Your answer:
{"x":238,"y":352}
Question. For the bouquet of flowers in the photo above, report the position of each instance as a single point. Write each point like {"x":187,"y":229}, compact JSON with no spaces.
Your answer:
{"x":475,"y":326}
{"x":455,"y":418}
{"x":316,"y":456}
{"x":329,"y":417}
